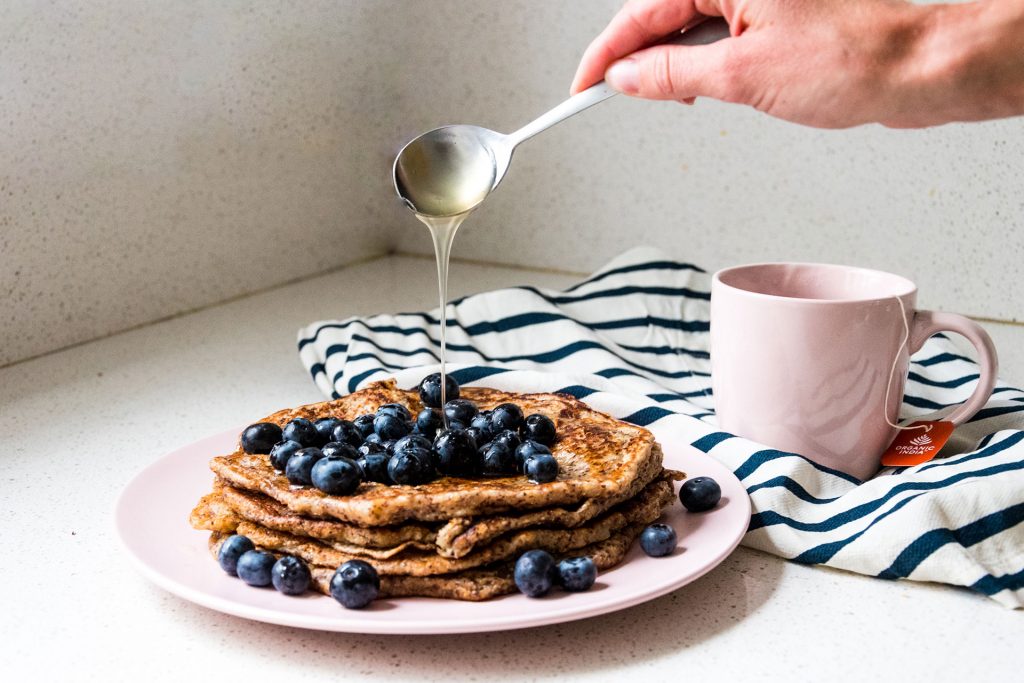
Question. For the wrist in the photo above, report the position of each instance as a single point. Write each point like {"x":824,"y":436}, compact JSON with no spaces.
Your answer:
{"x":966,"y":63}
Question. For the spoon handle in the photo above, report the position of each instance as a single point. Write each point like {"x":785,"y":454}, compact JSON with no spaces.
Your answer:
{"x":570,"y":107}
{"x":706,"y":32}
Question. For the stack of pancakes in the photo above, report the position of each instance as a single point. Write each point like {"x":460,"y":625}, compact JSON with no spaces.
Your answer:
{"x":451,"y":538}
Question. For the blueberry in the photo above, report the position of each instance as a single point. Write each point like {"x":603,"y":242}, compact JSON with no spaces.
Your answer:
{"x":541,"y":468}
{"x":336,"y":476}
{"x":455,"y":454}
{"x":300,"y":466}
{"x":282,"y":452}
{"x":430,"y":390}
{"x":302,"y":430}
{"x":507,"y":438}
{"x":232,"y":549}
{"x":346,"y":432}
{"x":325,"y":426}
{"x":428,"y":422}
{"x":260,"y":437}
{"x":658,"y":540}
{"x":535,"y":573}
{"x":482,"y":423}
{"x":460,"y":410}
{"x":375,"y":467}
{"x":290,"y":575}
{"x":457,"y":425}
{"x":700,"y":494}
{"x":355,"y":584}
{"x":539,"y":428}
{"x":507,"y":416}
{"x":577,"y":574}
{"x":413,"y":440}
{"x":389,"y":446}
{"x":368,"y":448}
{"x":480,"y":437}
{"x":373,"y":439}
{"x":364,"y":425}
{"x":335,"y":449}
{"x":430,"y":434}
{"x":527,"y":449}
{"x":389,"y":426}
{"x":411,"y":467}
{"x":254,"y":567}
{"x":498,"y":461}
{"x":396,"y":409}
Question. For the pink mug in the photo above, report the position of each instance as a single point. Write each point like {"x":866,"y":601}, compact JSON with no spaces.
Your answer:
{"x":802,"y":353}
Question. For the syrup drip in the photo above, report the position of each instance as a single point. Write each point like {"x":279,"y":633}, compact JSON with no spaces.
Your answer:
{"x":442,"y":232}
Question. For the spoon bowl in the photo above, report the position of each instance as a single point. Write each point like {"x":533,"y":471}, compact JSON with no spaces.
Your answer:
{"x":450,"y":170}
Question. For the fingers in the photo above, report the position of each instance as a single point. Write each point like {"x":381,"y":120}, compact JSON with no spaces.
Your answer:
{"x":682,"y":73}
{"x":639,"y":23}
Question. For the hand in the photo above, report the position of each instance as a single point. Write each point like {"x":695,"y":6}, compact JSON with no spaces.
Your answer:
{"x":824,"y":63}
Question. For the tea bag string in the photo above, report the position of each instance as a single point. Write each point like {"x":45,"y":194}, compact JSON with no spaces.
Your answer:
{"x":892,"y":372}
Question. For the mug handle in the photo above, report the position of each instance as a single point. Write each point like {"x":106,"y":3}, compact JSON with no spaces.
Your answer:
{"x":928,"y":323}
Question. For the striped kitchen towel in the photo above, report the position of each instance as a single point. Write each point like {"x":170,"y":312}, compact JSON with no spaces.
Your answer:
{"x":632,"y":340}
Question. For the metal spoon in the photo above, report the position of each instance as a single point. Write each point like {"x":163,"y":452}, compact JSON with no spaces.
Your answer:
{"x":448,"y":171}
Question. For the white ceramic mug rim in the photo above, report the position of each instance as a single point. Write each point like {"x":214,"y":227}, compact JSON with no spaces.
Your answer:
{"x":903,"y":287}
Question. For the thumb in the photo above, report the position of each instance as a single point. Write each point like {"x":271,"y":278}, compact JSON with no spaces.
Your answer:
{"x":678,"y":73}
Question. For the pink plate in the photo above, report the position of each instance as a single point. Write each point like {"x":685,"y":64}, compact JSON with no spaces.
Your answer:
{"x":152,"y":521}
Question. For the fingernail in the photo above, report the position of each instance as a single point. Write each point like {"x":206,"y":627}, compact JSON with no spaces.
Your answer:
{"x":624,"y":76}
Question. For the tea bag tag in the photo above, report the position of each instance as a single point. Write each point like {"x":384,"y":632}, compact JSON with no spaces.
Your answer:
{"x":917,"y":443}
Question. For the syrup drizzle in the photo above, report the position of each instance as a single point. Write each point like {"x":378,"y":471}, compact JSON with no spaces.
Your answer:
{"x":442,"y":232}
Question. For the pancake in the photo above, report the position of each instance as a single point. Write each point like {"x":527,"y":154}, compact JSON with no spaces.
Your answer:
{"x":598,"y":456}
{"x":474,"y":584}
{"x":407,"y":560}
{"x":212,"y":513}
{"x":460,"y":536}
{"x":455,"y":539}
{"x":256,"y":507}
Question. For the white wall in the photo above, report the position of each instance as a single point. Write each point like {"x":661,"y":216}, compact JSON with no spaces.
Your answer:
{"x":718,"y":184}
{"x":157,"y":157}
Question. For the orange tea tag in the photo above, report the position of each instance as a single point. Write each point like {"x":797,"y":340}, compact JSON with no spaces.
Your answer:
{"x":915,"y":446}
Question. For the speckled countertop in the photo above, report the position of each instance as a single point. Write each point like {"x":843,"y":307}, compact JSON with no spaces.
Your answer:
{"x":78,"y":424}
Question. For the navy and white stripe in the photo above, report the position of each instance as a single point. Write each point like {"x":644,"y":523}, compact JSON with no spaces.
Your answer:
{"x":632,"y":340}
